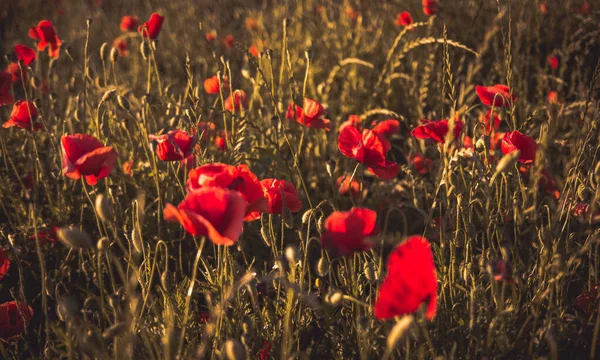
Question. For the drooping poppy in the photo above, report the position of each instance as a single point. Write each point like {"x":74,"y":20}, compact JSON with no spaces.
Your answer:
{"x":4,"y":264}
{"x":498,"y":94}
{"x":310,"y":115}
{"x":421,"y":164}
{"x":84,"y":155}
{"x":430,"y":7}
{"x":211,"y":211}
{"x":279,"y":191}
{"x":129,"y":23}
{"x":24,"y":115}
{"x":552,"y":62}
{"x":5,"y":83}
{"x":151,"y":28}
{"x":404,"y":19}
{"x":350,"y":231}
{"x":345,"y":186}
{"x":436,"y":130}
{"x":14,"y":318}
{"x":386,"y":127}
{"x":410,"y":282}
{"x":368,"y":148}
{"x":45,"y":34}
{"x":516,"y":140}
{"x":176,"y":145}
{"x":238,"y":178}
{"x":240,"y":101}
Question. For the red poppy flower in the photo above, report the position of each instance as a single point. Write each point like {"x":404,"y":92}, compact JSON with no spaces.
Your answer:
{"x":211,"y":85}
{"x":211,"y":211}
{"x":587,"y":301}
{"x":15,"y":72}
{"x":251,"y":23}
{"x":84,"y":155}
{"x":543,"y":7}
{"x":127,"y":168}
{"x":345,"y":187}
{"x":253,"y":50}
{"x":24,"y":53}
{"x":129,"y":23}
{"x":265,"y":351}
{"x":278,"y":191}
{"x":24,"y":115}
{"x":151,"y":28}
{"x":45,"y":34}
{"x":410,"y":282}
{"x":498,"y":95}
{"x":501,"y":271}
{"x":584,"y":9}
{"x":436,"y":130}
{"x":221,"y":140}
{"x":553,"y":97}
{"x":421,"y":164}
{"x":238,"y":178}
{"x":351,"y":12}
{"x":14,"y":318}
{"x":4,"y":263}
{"x":240,"y":101}
{"x":5,"y":83}
{"x":121,"y":46}
{"x":47,"y":236}
{"x":370,"y":149}
{"x":514,"y":141}
{"x":386,"y":127}
{"x":350,"y":231}
{"x":553,"y":62}
{"x":430,"y":7}
{"x":176,"y":145}
{"x":211,"y":36}
{"x":310,"y":115}
{"x":353,"y":120}
{"x":547,"y":183}
{"x":491,"y":121}
{"x":229,"y":40}
{"x":404,"y":19}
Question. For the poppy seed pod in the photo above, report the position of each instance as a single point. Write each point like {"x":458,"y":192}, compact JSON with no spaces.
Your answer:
{"x":114,"y":55}
{"x":108,"y":95}
{"x":323,"y":267}
{"x":330,"y":167}
{"x":123,"y":102}
{"x":234,"y":350}
{"x":103,"y":244}
{"x":482,"y":144}
{"x":334,"y":297}
{"x":370,"y":273}
{"x":145,"y":50}
{"x":75,"y":238}
{"x":103,"y":51}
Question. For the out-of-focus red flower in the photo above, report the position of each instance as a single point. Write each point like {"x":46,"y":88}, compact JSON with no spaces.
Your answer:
{"x":581,"y":211}
{"x":151,"y":28}
{"x":547,"y":183}
{"x":126,"y":167}
{"x":422,"y":164}
{"x":279,"y":191}
{"x":45,"y":34}
{"x":492,"y":121}
{"x":211,"y":211}
{"x":584,"y":9}
{"x":350,"y":231}
{"x":436,"y":130}
{"x":386,"y":127}
{"x":221,"y":140}
{"x":211,"y":36}
{"x":353,"y":120}
{"x":587,"y":301}
{"x":345,"y":187}
{"x":47,"y":236}
{"x":370,"y":149}
{"x":211,"y":85}
{"x":176,"y":145}
{"x":404,"y":19}
{"x":430,"y":7}
{"x":251,"y":23}
{"x":553,"y":97}
{"x":411,"y":281}
{"x":553,"y":62}
{"x":14,"y":318}
{"x":310,"y":115}
{"x":501,"y":271}
{"x":351,"y":12}
{"x":24,"y":115}
{"x":516,"y":140}
{"x":5,"y":83}
{"x":467,"y":142}
{"x":265,"y":351}
{"x":543,"y":7}
{"x":84,"y":155}
{"x":238,"y":178}
{"x":240,"y":101}
{"x":129,"y":23}
{"x":229,"y":40}
{"x":253,"y":50}
{"x":4,"y":264}
{"x":498,"y":95}
{"x":15,"y":72}
{"x":121,"y":45}
{"x":24,"y":53}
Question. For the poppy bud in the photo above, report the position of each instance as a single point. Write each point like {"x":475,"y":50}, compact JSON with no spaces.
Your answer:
{"x":370,"y":273}
{"x":306,"y":216}
{"x":103,"y":208}
{"x":103,"y":51}
{"x":334,"y":297}
{"x":265,"y":236}
{"x":482,"y":144}
{"x":103,"y":244}
{"x":123,"y":102}
{"x":75,"y":238}
{"x":246,"y":73}
{"x":114,"y":55}
{"x":234,"y":350}
{"x":330,"y":167}
{"x":165,"y":281}
{"x":136,"y":239}
{"x":108,"y":95}
{"x":322,"y":267}
{"x":145,"y":50}
{"x":291,"y":254}
{"x":66,"y":308}
{"x":398,"y":332}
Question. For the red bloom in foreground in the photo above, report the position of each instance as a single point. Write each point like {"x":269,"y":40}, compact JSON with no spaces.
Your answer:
{"x":14,"y":318}
{"x":370,"y":149}
{"x":238,"y":178}
{"x":386,"y":127}
{"x":514,"y":141}
{"x":24,"y":53}
{"x":240,"y":101}
{"x":214,"y":212}
{"x":4,"y":263}
{"x":129,"y":23}
{"x":553,"y":62}
{"x":349,"y":231}
{"x":24,"y":115}
{"x":345,"y":187}
{"x":436,"y":130}
{"x":211,"y":85}
{"x":421,"y":164}
{"x":404,"y":19}
{"x":151,"y":28}
{"x":84,"y":155}
{"x":5,"y":81}
{"x":411,"y":281}
{"x":279,"y":191}
{"x":430,"y":7}
{"x":45,"y":34}
{"x":310,"y":115}
{"x":498,"y":95}
{"x":175,"y":145}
